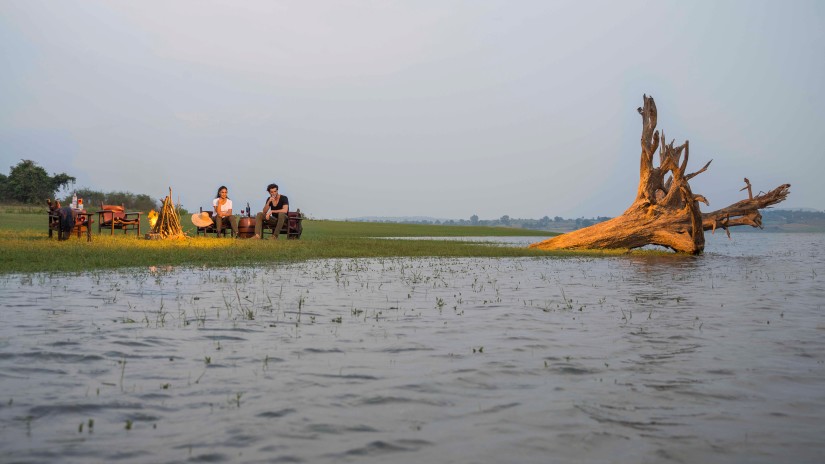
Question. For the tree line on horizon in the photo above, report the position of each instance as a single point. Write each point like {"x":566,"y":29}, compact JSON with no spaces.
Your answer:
{"x":771,"y":217}
{"x":130,"y":201}
{"x":545,"y":222}
{"x":30,"y":184}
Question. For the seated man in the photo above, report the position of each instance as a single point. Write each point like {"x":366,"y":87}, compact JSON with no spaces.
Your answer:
{"x":276,"y":205}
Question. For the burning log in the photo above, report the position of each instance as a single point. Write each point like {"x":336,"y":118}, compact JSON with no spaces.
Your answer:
{"x":165,"y":224}
{"x":666,"y":211}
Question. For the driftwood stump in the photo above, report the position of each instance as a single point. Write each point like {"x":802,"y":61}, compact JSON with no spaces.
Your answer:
{"x":666,"y":211}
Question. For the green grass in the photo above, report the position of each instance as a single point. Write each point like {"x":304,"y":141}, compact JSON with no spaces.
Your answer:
{"x":327,"y":229}
{"x":26,"y":247}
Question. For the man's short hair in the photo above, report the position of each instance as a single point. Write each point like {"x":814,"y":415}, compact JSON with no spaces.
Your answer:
{"x":271,"y":186}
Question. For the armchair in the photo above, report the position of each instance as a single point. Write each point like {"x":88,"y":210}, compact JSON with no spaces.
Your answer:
{"x":115,"y":217}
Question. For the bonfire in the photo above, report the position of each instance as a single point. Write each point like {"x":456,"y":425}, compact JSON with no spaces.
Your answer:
{"x":165,"y":224}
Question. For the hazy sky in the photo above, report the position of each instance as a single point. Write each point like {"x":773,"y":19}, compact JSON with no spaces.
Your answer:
{"x":400,"y":108}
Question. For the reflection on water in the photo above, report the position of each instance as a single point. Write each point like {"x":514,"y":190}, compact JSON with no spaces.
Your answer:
{"x":715,"y":358}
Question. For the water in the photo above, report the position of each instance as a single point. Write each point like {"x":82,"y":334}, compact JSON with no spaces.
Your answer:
{"x":718,"y":358}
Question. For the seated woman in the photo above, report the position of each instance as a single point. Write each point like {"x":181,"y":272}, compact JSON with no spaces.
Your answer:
{"x":223,"y":212}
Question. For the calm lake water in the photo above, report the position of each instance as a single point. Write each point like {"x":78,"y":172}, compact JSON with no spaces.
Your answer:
{"x":644,"y":359}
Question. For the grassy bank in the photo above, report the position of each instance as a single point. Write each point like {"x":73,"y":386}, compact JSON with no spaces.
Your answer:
{"x":25,"y":246}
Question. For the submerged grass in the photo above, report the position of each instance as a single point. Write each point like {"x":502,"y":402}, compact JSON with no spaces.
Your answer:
{"x":26,"y":247}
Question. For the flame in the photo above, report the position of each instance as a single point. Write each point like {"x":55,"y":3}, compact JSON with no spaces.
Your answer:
{"x":153,"y":218}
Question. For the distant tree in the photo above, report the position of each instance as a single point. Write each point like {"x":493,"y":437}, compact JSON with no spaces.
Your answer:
{"x":118,"y":198}
{"x":505,"y":220}
{"x":144,"y":202}
{"x":474,"y":220}
{"x":544,"y":222}
{"x":132,"y":202}
{"x":558,"y":219}
{"x":584,"y":222}
{"x":29,"y":183}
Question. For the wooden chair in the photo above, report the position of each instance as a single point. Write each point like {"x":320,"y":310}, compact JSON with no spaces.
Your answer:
{"x":293,"y":226}
{"x":211,"y":229}
{"x":115,"y":217}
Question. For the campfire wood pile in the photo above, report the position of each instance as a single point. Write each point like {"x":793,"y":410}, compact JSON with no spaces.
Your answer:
{"x":666,"y":211}
{"x":167,"y":222}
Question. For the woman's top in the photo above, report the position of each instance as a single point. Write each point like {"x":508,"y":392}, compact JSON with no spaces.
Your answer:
{"x":224,"y":208}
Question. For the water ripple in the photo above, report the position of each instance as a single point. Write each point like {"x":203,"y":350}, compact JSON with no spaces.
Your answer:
{"x":383,"y":448}
{"x":635,"y":358}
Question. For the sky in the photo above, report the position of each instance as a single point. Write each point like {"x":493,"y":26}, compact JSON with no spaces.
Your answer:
{"x":434,"y":108}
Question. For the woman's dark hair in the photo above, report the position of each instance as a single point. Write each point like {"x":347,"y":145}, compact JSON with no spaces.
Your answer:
{"x":271,"y":186}
{"x":218,"y":195}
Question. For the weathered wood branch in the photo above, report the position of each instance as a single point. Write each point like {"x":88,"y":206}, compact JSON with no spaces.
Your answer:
{"x":745,"y":212}
{"x":666,"y":212}
{"x":704,"y":168}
